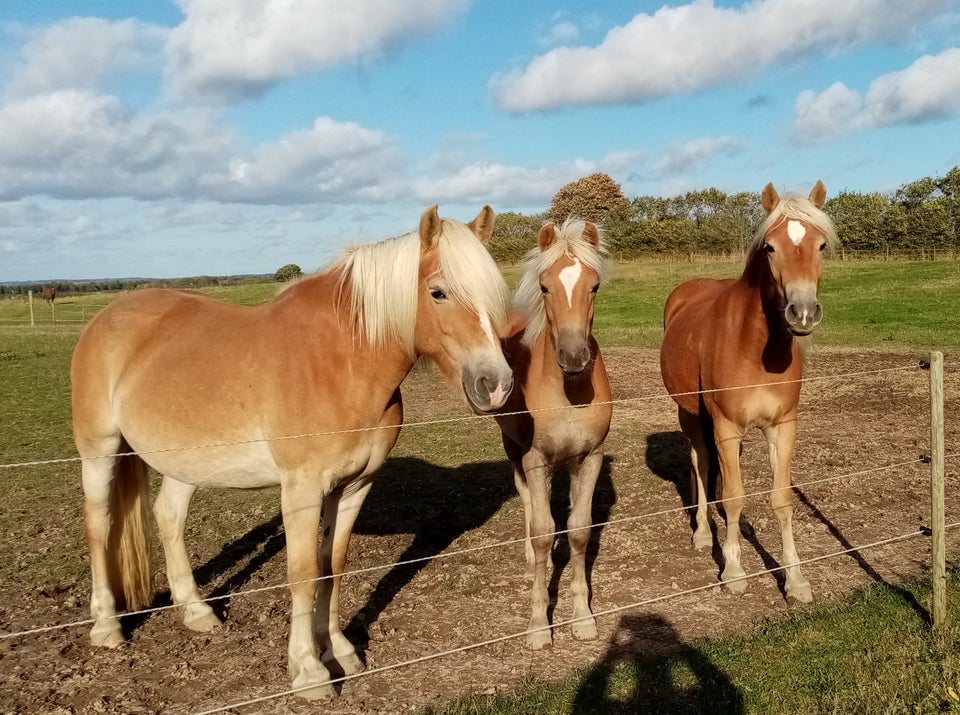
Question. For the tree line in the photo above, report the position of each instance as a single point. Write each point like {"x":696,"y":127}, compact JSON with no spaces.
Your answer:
{"x":920,"y":216}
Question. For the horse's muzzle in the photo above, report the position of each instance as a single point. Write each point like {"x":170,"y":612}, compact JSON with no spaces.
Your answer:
{"x":487,"y":388}
{"x":573,"y":353}
{"x":803,"y":316}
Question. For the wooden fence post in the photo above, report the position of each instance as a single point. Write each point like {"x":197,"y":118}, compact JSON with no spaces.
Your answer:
{"x":937,"y":516}
{"x":30,"y":300}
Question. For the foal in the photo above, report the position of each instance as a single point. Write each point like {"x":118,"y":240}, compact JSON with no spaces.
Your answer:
{"x":722,"y":334}
{"x":561,"y":381}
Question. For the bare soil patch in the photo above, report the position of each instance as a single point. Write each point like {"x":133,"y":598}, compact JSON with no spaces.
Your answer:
{"x":448,"y":487}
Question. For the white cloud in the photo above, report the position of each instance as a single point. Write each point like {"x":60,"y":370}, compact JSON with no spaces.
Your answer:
{"x":561,"y":33}
{"x":927,"y":90}
{"x":695,"y":154}
{"x":512,"y":187}
{"x":698,"y":45}
{"x":80,"y":53}
{"x":231,"y":48}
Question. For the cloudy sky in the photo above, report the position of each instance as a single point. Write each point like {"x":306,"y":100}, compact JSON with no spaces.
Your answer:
{"x":218,"y":137}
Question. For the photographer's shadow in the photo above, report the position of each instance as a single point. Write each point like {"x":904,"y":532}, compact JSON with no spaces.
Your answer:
{"x":653,"y":671}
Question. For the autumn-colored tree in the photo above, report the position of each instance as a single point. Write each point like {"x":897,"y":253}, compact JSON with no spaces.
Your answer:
{"x":591,"y":198}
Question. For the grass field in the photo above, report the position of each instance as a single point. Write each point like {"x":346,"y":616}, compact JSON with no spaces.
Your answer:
{"x":869,"y":653}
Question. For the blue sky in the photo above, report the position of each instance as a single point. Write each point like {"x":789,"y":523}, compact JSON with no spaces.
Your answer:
{"x":218,"y":137}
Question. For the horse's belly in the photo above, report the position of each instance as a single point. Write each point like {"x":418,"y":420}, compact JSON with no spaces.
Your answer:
{"x":240,"y":464}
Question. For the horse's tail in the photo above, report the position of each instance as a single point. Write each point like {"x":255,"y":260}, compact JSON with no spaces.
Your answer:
{"x":130,"y":534}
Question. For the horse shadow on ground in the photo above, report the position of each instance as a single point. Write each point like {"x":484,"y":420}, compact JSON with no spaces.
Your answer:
{"x":652,"y":671}
{"x":668,"y":457}
{"x":436,"y":504}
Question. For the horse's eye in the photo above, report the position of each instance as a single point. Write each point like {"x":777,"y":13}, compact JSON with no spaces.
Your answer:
{"x":543,"y":288}
{"x":595,"y":288}
{"x":769,"y":248}
{"x":437,"y":294}
{"x":823,"y":245}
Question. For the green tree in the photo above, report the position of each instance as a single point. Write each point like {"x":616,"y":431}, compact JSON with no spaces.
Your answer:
{"x":288,"y":272}
{"x":513,"y":235}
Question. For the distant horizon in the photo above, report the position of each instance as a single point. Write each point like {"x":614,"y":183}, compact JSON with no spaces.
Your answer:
{"x":213,"y":137}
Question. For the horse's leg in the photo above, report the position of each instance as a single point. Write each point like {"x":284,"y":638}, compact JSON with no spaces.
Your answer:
{"x":700,"y":459}
{"x":780,"y":440}
{"x":583,"y":481}
{"x":98,"y":475}
{"x":729,"y":438}
{"x":300,"y":499}
{"x":170,"y":511}
{"x":340,"y":509}
{"x":515,"y":454}
{"x":539,"y":473}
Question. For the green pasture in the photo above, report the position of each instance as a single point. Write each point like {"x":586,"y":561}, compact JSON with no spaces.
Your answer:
{"x":869,"y":653}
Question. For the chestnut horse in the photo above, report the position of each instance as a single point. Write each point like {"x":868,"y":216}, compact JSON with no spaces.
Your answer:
{"x":721,"y":334}
{"x":559,"y":375}
{"x":302,"y":392}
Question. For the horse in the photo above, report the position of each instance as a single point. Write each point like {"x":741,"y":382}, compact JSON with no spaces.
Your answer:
{"x":301,"y":392}
{"x":560,"y":406}
{"x":732,"y":357}
{"x":49,"y":294}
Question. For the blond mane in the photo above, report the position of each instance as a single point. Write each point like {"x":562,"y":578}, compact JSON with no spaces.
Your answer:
{"x":570,"y":242}
{"x":383,"y":281}
{"x":797,"y":207}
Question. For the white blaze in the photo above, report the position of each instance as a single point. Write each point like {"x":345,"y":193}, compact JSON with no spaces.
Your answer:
{"x":569,"y":277}
{"x":485,"y":324}
{"x":796,"y":231}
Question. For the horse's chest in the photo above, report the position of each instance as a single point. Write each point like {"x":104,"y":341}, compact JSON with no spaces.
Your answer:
{"x":569,"y":434}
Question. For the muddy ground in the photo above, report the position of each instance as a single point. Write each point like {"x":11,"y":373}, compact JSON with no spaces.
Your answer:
{"x":449,"y":488}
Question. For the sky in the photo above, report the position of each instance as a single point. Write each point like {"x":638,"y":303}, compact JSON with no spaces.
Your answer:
{"x":219,"y":137}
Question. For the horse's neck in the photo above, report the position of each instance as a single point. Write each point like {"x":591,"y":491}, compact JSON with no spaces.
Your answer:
{"x":315,"y":310}
{"x":761,"y":316}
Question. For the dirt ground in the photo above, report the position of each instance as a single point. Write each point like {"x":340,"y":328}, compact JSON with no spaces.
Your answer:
{"x":849,"y":424}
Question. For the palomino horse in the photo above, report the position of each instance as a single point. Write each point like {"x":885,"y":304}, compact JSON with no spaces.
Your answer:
{"x":721,"y":334}
{"x":559,"y":376}
{"x":302,"y":392}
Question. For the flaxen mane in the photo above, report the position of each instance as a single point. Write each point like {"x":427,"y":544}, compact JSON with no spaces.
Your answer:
{"x":383,"y":279}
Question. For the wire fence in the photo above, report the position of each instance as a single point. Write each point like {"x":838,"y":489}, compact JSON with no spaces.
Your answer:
{"x":499,"y":544}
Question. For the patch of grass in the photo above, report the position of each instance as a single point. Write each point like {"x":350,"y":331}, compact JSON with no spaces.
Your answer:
{"x":869,"y":653}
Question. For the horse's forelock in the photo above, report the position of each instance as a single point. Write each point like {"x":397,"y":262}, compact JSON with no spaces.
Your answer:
{"x":569,"y":242}
{"x":802,"y":209}
{"x":471,"y":273}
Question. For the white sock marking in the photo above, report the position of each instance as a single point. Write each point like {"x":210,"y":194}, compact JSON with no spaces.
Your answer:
{"x":796,"y":231}
{"x":569,"y":277}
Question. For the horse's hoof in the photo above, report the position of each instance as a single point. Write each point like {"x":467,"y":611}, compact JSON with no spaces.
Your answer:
{"x":585,"y":630}
{"x":799,"y":593}
{"x":203,"y":623}
{"x":107,"y":636}
{"x":702,"y":540}
{"x":539,"y":640}
{"x":349,"y":663}
{"x":321,"y":690}
{"x":733,"y":581}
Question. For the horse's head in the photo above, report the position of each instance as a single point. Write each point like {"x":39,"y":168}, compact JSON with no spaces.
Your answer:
{"x":567,"y":266}
{"x":461,"y":307}
{"x":793,"y":237}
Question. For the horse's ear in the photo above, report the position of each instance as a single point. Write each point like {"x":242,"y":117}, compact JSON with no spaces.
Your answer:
{"x":547,"y":236}
{"x":482,"y":225}
{"x":818,"y":195}
{"x":770,"y":198}
{"x":591,"y":233}
{"x":429,"y":228}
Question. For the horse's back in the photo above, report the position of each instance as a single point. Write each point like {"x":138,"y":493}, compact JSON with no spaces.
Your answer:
{"x":685,"y":322}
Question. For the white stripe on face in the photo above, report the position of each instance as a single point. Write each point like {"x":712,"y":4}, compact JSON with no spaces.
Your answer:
{"x":487,"y":328}
{"x":569,"y":277}
{"x":796,"y":231}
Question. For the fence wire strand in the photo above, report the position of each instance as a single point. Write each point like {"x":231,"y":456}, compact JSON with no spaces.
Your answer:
{"x":605,"y":612}
{"x":459,"y":552}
